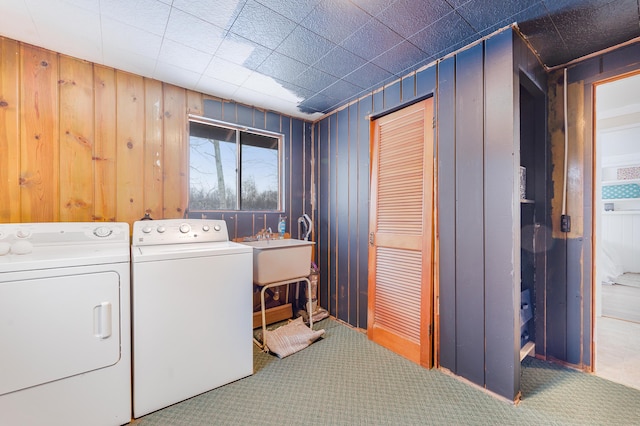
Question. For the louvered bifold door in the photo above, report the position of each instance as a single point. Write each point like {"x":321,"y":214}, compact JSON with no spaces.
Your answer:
{"x":400,"y":272}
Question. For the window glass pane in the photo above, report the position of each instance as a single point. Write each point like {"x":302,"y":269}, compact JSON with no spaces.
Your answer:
{"x":212,"y":163}
{"x":259,"y":172}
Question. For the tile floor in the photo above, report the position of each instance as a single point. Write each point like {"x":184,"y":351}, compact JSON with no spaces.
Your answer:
{"x":618,"y":351}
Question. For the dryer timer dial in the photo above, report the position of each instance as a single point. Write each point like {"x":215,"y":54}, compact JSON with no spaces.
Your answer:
{"x":102,"y":232}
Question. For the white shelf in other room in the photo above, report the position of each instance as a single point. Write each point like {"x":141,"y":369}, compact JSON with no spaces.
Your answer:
{"x":529,"y":348}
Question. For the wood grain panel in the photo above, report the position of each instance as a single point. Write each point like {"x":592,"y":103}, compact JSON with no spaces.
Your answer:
{"x":195,"y":103}
{"x":105,"y":188}
{"x":175,"y":152}
{"x":400,"y":188}
{"x":397,"y":290}
{"x":153,"y":151}
{"x":9,"y":131}
{"x":130,"y":146}
{"x":39,"y":156}
{"x":76,"y":140}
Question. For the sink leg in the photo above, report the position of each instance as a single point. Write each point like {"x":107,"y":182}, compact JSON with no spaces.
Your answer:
{"x":263,"y":314}
{"x":309,"y":304}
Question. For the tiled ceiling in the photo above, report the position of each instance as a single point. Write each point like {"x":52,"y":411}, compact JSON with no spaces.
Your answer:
{"x":303,"y":57}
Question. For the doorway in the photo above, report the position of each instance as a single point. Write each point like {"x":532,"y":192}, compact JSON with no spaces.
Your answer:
{"x":617,"y":230}
{"x":400,"y":315}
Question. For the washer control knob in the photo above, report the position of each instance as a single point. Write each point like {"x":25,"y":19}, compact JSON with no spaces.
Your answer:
{"x":23,"y":233}
{"x":102,"y":231}
{"x":161,"y":229}
{"x":217,"y":228}
{"x":146,"y":229}
{"x":184,"y":228}
{"x":205,"y":228}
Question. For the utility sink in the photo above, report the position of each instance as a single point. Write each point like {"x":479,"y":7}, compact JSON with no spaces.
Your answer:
{"x":280,"y":260}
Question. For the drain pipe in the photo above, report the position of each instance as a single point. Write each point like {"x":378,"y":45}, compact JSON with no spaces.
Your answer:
{"x":565,"y":220}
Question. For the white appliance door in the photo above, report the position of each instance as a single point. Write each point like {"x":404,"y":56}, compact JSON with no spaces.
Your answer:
{"x":56,"y":327}
{"x":192,"y":327}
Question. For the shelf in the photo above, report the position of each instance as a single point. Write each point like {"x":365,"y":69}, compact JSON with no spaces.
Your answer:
{"x":529,"y":348}
{"x":523,"y":201}
{"x":619,"y":182}
{"x":619,"y":200}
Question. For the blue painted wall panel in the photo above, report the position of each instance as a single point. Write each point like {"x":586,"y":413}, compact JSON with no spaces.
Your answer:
{"x":297,"y":177}
{"x":392,"y":95}
{"x":378,"y":102}
{"x":353,"y":216}
{"x":470,"y":333}
{"x":342,"y":215}
{"x":244,"y":115}
{"x":229,"y":112}
{"x":213,"y":109}
{"x":333,"y":218}
{"x":408,"y":87}
{"x":446,"y":169}
{"x":426,"y":81}
{"x":501,"y":225}
{"x":365,"y":107}
{"x":323,"y":218}
{"x":273,"y":121}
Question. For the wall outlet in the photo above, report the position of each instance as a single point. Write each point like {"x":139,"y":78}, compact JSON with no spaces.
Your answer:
{"x":565,"y":223}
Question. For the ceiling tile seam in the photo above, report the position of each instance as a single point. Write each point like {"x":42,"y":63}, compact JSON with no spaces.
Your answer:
{"x":223,"y":33}
{"x":557,"y":30}
{"x":313,"y":65}
{"x":34,"y":23}
{"x":299,"y":20}
{"x":166,"y":24}
{"x":101,"y":31}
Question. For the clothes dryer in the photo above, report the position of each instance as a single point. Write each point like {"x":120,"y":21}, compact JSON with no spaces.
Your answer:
{"x":65,"y":356}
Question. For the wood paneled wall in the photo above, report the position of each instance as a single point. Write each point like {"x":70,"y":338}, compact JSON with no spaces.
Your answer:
{"x":84,"y":142}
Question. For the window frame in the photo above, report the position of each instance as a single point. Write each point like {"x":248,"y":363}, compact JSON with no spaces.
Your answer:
{"x":238,"y":128}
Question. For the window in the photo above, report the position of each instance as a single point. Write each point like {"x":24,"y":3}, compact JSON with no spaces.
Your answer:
{"x":232,"y":168}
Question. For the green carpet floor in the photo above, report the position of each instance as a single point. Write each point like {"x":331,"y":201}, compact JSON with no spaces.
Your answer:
{"x":344,"y":379}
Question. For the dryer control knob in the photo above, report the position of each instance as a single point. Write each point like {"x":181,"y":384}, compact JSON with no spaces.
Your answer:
{"x":217,"y":228}
{"x":23,"y":233}
{"x":146,"y":229}
{"x":184,"y":228}
{"x":205,"y":228}
{"x":22,"y":247}
{"x":161,"y":229}
{"x":4,"y":248}
{"x":102,"y":231}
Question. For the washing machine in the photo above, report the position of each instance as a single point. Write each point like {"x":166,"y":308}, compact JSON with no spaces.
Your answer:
{"x":192,"y":296}
{"x":65,"y":352}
